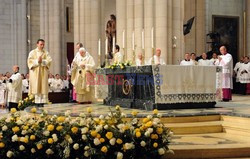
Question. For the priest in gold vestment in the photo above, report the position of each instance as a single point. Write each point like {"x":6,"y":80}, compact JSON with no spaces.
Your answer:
{"x":39,"y":62}
{"x":82,"y":77}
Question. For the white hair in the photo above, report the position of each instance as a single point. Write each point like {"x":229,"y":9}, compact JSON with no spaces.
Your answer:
{"x":82,"y":49}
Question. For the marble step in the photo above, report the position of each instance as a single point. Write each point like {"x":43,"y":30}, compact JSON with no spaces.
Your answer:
{"x":196,"y":127}
{"x":190,"y":119}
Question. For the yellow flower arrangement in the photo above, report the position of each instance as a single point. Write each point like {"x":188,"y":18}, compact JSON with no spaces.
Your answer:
{"x":13,"y":110}
{"x":33,"y":110}
{"x":111,"y":136}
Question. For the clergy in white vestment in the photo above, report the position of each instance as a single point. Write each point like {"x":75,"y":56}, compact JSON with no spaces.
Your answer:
{"x":187,"y":61}
{"x":14,"y":87}
{"x":118,"y":56}
{"x":66,"y":83}
{"x":193,"y":58}
{"x":236,"y":75}
{"x":57,"y":84}
{"x":226,"y":61}
{"x":77,"y":54}
{"x":157,"y":59}
{"x":204,"y":61}
{"x":50,"y":82}
{"x":26,"y":84}
{"x":139,"y":60}
{"x":82,"y":77}
{"x":244,"y":75}
{"x":39,"y":61}
{"x":214,"y":60}
{"x":2,"y":93}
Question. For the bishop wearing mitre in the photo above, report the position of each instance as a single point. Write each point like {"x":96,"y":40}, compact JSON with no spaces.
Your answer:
{"x":82,"y":77}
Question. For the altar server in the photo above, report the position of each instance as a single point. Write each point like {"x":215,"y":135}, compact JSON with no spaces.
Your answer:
{"x":39,"y":61}
{"x":139,"y":60}
{"x":2,"y":93}
{"x":14,"y":87}
{"x":204,"y":61}
{"x":57,"y":84}
{"x":187,"y":61}
{"x":193,"y":58}
{"x":237,"y":75}
{"x":214,"y":60}
{"x":26,"y":84}
{"x":118,"y":56}
{"x":157,"y":59}
{"x":244,"y":75}
{"x":82,"y":76}
{"x":226,"y":61}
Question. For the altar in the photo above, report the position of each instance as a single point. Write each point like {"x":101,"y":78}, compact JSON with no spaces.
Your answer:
{"x":159,"y":86}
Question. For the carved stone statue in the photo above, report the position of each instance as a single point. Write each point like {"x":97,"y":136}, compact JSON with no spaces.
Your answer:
{"x":111,"y":33}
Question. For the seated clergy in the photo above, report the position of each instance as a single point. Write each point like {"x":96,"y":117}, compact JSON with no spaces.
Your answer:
{"x":140,"y":60}
{"x":118,"y":56}
{"x":204,"y":61}
{"x":14,"y":87}
{"x":26,"y":84}
{"x":82,"y":77}
{"x":157,"y":59}
{"x":214,"y":60}
{"x":187,"y":61}
{"x":193,"y":58}
{"x":50,"y":82}
{"x":57,"y":84}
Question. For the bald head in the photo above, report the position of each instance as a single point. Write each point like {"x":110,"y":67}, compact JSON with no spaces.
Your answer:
{"x":158,"y":52}
{"x":140,"y":56}
{"x":15,"y":68}
{"x":223,"y":50}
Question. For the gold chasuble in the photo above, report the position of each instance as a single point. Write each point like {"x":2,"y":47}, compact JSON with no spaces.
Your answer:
{"x":39,"y":75}
{"x":82,"y":78}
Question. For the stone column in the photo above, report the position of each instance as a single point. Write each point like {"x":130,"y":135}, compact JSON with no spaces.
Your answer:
{"x":76,"y":21}
{"x":177,"y":20}
{"x":170,"y":33}
{"x":161,"y":9}
{"x":138,"y":24}
{"x":148,"y":25}
{"x":247,"y":27}
{"x":130,"y":29}
{"x":200,"y":27}
{"x":95,"y":29}
{"x":121,"y":24}
{"x":51,"y":31}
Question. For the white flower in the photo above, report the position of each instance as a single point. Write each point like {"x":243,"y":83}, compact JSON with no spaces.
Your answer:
{"x":67,"y":113}
{"x":159,"y":115}
{"x":112,"y":141}
{"x":149,"y":116}
{"x":66,"y":152}
{"x":70,"y":140}
{"x":161,"y":151}
{"x":101,"y":117}
{"x":31,"y":121}
{"x":86,"y":148}
{"x":86,"y":154}
{"x":14,"y":138}
{"x":156,"y":121}
{"x":46,"y":133}
{"x":9,"y":154}
{"x":123,"y":115}
{"x":134,"y":121}
{"x":84,"y":137}
{"x":82,"y":115}
{"x":150,"y":130}
{"x":143,"y":143}
{"x":33,"y":150}
{"x":119,"y":155}
{"x":97,"y":141}
{"x":171,"y":133}
{"x":17,"y":114}
{"x":4,"y":128}
{"x":120,"y":126}
{"x":76,"y":146}
{"x":67,"y":120}
{"x":170,"y":151}
{"x":49,"y":152}
{"x":89,"y":120}
{"x":19,"y":122}
{"x":147,"y":134}
{"x":106,"y":127}
{"x":24,"y":132}
{"x":82,"y":122}
{"x":54,"y":136}
{"x":84,"y":130}
{"x":21,"y":148}
{"x":98,"y":128}
{"x":129,"y":146}
{"x":7,"y":120}
{"x":45,"y":112}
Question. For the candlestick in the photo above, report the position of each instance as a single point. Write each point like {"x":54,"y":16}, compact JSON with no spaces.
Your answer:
{"x":152,"y":37}
{"x":142,"y":39}
{"x":133,"y":41}
{"x":99,"y":47}
{"x":113,"y":44}
{"x":123,"y":39}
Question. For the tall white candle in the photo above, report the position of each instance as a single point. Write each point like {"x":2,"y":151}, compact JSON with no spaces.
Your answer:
{"x":113,"y":44}
{"x":133,"y":41}
{"x":123,"y":39}
{"x":106,"y":46}
{"x":99,"y":47}
{"x":152,"y":37}
{"x":142,"y":39}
